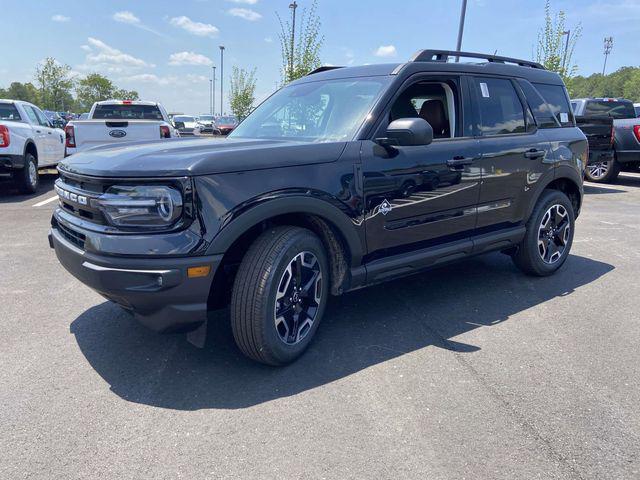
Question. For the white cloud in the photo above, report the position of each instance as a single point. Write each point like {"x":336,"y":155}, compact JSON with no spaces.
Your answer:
{"x":245,"y":13}
{"x":129,"y":18}
{"x":195,"y":28}
{"x":173,"y":80}
{"x":189,"y":58}
{"x":60,"y":18}
{"x":268,"y":39}
{"x":126,"y":17}
{"x":246,"y":2}
{"x":102,"y":57}
{"x":386,"y":51}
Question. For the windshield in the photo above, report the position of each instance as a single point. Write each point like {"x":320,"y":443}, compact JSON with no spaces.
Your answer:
{"x":323,"y":111}
{"x":227,"y":120}
{"x":8,"y":111}
{"x":611,"y":108}
{"x":206,"y":118}
{"x":127,"y":112}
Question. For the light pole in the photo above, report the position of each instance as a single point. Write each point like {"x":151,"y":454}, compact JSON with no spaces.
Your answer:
{"x":608,"y":46}
{"x":293,"y":7}
{"x":211,"y":96}
{"x":463,"y":13}
{"x":566,"y":49}
{"x":213,"y":91}
{"x":221,"y":79}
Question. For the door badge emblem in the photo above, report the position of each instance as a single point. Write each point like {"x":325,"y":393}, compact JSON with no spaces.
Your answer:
{"x":385,"y":207}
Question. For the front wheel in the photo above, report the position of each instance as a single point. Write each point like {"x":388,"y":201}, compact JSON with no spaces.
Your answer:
{"x":549,"y":235}
{"x":279,"y":295}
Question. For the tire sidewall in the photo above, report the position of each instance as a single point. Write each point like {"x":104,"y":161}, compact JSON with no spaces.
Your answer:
{"x":305,"y":241}
{"x":548,"y":201}
{"x":25,"y":181}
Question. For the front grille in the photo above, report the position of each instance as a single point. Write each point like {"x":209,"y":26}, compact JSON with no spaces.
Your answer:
{"x":76,"y":238}
{"x":89,"y":189}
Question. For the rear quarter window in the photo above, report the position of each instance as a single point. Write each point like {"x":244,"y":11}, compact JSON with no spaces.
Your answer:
{"x":558,"y":100}
{"x":9,"y":112}
{"x":541,"y":110}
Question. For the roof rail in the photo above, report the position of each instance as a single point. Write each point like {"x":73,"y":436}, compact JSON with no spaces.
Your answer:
{"x":324,"y":68}
{"x":443,"y":56}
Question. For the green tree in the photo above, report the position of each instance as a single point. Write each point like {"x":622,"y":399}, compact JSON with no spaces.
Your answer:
{"x":553,"y":51}
{"x":93,"y":88}
{"x":122,"y":94}
{"x":55,"y":83}
{"x":242,"y":95}
{"x":624,"y":82}
{"x":21,"y":91}
{"x":305,"y":54}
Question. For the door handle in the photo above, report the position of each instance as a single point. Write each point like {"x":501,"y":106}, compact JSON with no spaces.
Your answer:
{"x":534,"y":153}
{"x":38,"y":131}
{"x":458,"y":163}
{"x":49,"y":133}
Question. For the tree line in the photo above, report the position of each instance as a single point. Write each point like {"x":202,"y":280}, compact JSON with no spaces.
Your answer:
{"x":54,"y":88}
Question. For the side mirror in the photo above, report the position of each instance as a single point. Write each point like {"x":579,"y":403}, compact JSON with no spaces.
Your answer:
{"x":410,"y":132}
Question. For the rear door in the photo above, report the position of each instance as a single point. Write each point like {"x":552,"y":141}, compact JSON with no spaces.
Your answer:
{"x":515,"y":154}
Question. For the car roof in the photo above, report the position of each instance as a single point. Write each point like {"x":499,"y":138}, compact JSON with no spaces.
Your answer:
{"x":422,"y":62}
{"x":125,"y":102}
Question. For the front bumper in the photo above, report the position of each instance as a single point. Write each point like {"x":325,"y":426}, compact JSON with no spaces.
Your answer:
{"x":157,"y":291}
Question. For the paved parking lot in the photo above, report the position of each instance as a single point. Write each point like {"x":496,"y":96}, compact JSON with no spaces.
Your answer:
{"x":469,"y":371}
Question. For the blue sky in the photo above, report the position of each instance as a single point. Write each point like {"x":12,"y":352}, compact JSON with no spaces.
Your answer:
{"x":163,"y":48}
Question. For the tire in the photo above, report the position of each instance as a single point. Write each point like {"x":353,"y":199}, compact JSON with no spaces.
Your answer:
{"x":544,"y":249}
{"x":27,"y":178}
{"x":603,"y":172}
{"x":264,"y":301}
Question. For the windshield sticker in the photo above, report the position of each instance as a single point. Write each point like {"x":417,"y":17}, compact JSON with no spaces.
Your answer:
{"x":564,"y":117}
{"x":484,"y":89}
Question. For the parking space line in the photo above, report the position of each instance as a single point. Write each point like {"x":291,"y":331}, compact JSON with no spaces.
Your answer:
{"x":44,"y":202}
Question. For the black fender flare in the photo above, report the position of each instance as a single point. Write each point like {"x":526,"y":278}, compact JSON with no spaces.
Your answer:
{"x":289,"y":205}
{"x":28,"y":143}
{"x":562,"y":172}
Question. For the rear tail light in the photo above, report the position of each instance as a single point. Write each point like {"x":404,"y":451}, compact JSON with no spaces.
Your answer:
{"x":613,"y":134}
{"x":636,"y":132}
{"x":127,"y":102}
{"x":70,"y":135}
{"x":5,"y":137}
{"x":165,"y":132}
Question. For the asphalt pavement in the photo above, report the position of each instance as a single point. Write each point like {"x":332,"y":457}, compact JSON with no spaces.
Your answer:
{"x":471,"y":371}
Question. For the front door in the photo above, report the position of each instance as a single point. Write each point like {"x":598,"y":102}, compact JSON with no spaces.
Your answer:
{"x":421,"y":196}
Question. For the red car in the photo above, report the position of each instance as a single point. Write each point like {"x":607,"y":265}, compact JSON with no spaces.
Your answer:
{"x":226,"y":125}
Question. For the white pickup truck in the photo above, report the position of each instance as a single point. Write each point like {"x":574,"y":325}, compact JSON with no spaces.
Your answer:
{"x":118,"y":121}
{"x":28,"y":141}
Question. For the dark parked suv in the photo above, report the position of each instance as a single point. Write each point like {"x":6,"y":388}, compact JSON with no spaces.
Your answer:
{"x":345,"y":178}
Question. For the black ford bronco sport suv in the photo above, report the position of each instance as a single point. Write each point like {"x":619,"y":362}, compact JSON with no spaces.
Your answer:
{"x":342,"y":179}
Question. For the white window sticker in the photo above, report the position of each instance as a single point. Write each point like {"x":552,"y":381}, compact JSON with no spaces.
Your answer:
{"x":564,"y":117}
{"x":484,"y":89}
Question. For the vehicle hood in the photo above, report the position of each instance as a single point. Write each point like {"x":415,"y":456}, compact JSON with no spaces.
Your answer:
{"x":183,"y":157}
{"x":188,"y":124}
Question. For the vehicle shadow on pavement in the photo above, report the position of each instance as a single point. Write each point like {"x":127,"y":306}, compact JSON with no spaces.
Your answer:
{"x":9,"y":193}
{"x":360,"y":329}
{"x":595,"y":189}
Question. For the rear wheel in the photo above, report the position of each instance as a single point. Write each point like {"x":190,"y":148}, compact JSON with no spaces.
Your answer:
{"x":549,"y":235}
{"x":27,"y":178}
{"x":279,"y":295}
{"x":603,"y":172}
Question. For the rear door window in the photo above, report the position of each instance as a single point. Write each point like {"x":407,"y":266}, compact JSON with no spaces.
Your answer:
{"x":500,"y":109}
{"x":558,"y":101}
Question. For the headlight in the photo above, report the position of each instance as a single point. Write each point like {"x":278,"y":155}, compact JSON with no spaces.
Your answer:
{"x":141,"y":206}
